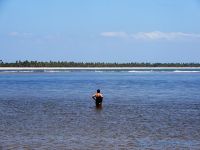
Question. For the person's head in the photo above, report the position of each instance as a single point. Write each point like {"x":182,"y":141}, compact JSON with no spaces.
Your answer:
{"x":98,"y":91}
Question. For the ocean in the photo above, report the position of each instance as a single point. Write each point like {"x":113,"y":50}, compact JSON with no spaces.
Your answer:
{"x":142,"y":109}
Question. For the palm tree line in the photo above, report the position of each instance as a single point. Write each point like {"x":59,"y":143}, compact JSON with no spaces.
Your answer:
{"x":27,"y":63}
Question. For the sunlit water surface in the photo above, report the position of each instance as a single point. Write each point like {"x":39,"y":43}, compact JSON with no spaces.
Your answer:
{"x":141,"y":110}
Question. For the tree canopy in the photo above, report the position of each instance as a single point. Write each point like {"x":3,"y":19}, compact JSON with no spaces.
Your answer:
{"x":27,"y":63}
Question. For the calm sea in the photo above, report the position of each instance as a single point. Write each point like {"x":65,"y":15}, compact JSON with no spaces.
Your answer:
{"x":142,"y":109}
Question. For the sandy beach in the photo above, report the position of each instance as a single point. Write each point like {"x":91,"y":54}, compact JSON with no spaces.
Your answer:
{"x":92,"y":68}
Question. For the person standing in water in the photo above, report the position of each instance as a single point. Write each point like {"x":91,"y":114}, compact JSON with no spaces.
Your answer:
{"x":98,"y":97}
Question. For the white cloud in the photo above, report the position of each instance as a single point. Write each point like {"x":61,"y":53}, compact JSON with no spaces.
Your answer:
{"x":20,"y":34}
{"x":114,"y":34}
{"x":13,"y":34}
{"x":28,"y":35}
{"x":155,"y":35}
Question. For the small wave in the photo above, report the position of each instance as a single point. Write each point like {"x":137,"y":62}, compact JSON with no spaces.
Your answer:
{"x":17,"y":71}
{"x":98,"y":71}
{"x":9,"y":71}
{"x":140,"y":71}
{"x":25,"y":71}
{"x":56,"y":71}
{"x":186,"y":71}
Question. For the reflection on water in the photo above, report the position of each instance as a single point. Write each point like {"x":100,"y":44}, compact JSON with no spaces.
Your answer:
{"x":151,"y":111}
{"x":99,"y":107}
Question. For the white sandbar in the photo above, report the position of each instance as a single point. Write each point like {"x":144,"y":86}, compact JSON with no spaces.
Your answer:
{"x":92,"y":68}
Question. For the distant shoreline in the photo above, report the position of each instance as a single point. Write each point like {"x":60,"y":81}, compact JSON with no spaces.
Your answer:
{"x":93,"y":65}
{"x":92,"y":68}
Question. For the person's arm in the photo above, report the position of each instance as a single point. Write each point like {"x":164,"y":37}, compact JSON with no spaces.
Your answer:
{"x":102,"y":96}
{"x":94,"y":97}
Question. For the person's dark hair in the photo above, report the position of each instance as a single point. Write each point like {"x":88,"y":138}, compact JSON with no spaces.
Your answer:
{"x":98,"y":91}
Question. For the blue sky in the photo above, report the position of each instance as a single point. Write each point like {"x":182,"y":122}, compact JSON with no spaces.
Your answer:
{"x":100,"y":30}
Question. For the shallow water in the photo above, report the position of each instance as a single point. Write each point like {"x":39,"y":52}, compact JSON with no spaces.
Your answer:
{"x":141,"y":110}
